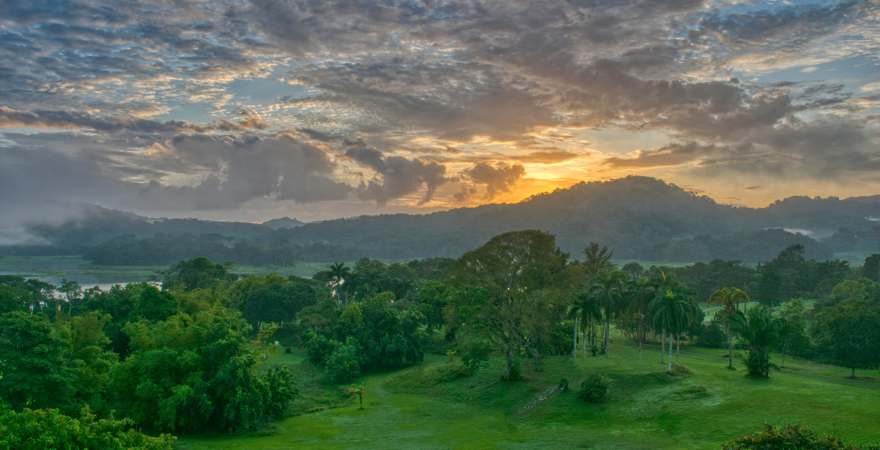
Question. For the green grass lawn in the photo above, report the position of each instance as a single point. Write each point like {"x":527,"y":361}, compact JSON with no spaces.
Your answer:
{"x":646,"y":409}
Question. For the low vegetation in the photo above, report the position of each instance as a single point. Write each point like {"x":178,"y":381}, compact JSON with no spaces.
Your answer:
{"x":428,"y":347}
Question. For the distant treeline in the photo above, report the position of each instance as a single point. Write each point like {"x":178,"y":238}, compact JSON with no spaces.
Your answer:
{"x":166,"y":249}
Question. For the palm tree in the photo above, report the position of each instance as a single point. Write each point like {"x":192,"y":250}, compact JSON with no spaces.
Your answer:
{"x":729,"y":298}
{"x":760,"y":330}
{"x":609,"y":289}
{"x":640,"y":294}
{"x":584,"y":311}
{"x":597,"y":259}
{"x":671,"y":314}
{"x":339,"y":272}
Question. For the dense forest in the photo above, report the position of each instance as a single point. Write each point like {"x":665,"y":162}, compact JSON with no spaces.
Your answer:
{"x":130,"y":366}
{"x":641,"y":218}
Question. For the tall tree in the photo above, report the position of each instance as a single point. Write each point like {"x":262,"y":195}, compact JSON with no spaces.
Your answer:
{"x":609,"y":288}
{"x":339,"y":273}
{"x":511,"y":269}
{"x":597,"y":259}
{"x":729,"y":298}
{"x":671,"y":315}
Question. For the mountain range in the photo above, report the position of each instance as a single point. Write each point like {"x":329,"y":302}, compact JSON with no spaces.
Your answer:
{"x":638,"y":217}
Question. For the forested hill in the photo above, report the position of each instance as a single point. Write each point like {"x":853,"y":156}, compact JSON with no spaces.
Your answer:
{"x":639,"y":217}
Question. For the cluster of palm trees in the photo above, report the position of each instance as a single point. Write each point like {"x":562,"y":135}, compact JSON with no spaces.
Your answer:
{"x":659,"y":304}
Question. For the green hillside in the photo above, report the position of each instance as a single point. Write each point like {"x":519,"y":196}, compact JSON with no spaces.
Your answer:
{"x":646,"y":409}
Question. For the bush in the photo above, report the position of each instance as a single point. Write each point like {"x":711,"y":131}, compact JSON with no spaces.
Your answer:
{"x":758,"y":364}
{"x":792,"y":437}
{"x":343,"y":365}
{"x":563,"y":385}
{"x":47,"y":428}
{"x":594,"y":389}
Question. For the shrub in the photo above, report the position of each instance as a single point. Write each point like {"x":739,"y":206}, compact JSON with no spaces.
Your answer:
{"x":563,"y":385}
{"x":594,"y":389}
{"x":758,"y":364}
{"x":792,"y":437}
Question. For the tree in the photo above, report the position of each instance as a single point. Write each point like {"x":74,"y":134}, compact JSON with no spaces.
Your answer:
{"x":504,"y":301}
{"x":273,"y":298}
{"x":871,"y":268}
{"x":849,"y":334}
{"x":32,"y":361}
{"x":338,"y":272}
{"x":609,"y":288}
{"x":671,"y":314}
{"x":72,"y":292}
{"x":729,"y":298}
{"x":793,"y":339}
{"x":90,"y":361}
{"x":196,"y":273}
{"x":760,"y":331}
{"x":597,"y":258}
{"x":585,"y":311}
{"x":197,"y":373}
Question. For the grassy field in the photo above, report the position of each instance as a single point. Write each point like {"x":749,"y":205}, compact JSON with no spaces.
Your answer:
{"x":53,"y":268}
{"x":647,"y":409}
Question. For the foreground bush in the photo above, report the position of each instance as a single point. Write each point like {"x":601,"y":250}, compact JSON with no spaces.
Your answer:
{"x":790,"y":437}
{"x":594,"y":389}
{"x":38,"y":429}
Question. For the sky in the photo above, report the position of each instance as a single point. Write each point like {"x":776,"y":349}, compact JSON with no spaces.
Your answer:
{"x":255,"y":109}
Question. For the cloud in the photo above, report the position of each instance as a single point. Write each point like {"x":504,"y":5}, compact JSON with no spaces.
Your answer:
{"x":149,"y":102}
{"x":825,"y":149}
{"x":498,"y":178}
{"x":197,"y":172}
{"x":668,"y":155}
{"x":546,"y":156}
{"x":397,"y":176}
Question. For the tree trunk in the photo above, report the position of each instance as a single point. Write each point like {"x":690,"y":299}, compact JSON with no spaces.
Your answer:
{"x":852,"y":373}
{"x":508,"y":355}
{"x":669,"y":362}
{"x":677,"y":347}
{"x":607,"y":331}
{"x":729,"y":349}
{"x":574,"y":338}
{"x":662,"y":346}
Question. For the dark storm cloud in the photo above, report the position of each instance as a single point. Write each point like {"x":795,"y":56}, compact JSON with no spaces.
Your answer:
{"x":497,"y":178}
{"x":397,"y":176}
